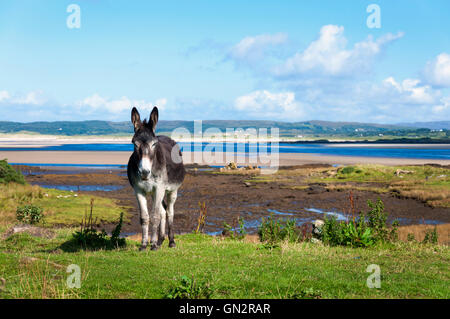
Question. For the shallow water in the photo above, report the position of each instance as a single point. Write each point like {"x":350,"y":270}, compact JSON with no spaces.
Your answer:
{"x":419,"y":151}
{"x":83,"y":188}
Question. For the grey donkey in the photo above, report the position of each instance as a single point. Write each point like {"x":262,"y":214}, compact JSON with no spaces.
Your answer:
{"x":155,"y":168}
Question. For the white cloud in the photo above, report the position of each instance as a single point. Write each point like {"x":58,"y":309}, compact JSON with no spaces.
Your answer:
{"x":437,"y":72}
{"x":329,"y":55}
{"x":251,"y":49}
{"x":443,"y":108}
{"x":4,"y":96}
{"x":30,"y":98}
{"x":270,"y":105}
{"x":117,"y":106}
{"x":410,"y":91}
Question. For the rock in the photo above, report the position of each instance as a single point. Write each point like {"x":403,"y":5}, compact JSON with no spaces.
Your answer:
{"x":247,"y":184}
{"x":315,"y":189}
{"x":32,"y":230}
{"x":232,"y":165}
{"x":315,"y":241}
{"x":317,"y":227}
{"x":399,"y":171}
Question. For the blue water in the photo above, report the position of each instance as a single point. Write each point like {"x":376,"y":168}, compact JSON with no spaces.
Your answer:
{"x":438,"y":152}
{"x":85,"y":188}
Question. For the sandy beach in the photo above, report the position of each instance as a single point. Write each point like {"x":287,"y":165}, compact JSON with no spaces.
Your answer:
{"x":37,"y":156}
{"x":121,"y":158}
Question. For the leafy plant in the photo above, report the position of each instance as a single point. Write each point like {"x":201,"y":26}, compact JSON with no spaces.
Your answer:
{"x":189,"y":288}
{"x":347,"y":170}
{"x":377,"y":220}
{"x":238,"y":232}
{"x":274,"y":230}
{"x":431,"y":236}
{"x":308,"y":293}
{"x":411,"y":237}
{"x":201,"y":217}
{"x":29,"y":214}
{"x":364,"y":231}
{"x":88,"y":237}
{"x":8,"y":174}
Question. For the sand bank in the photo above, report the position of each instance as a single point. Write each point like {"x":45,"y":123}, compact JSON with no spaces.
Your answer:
{"x":121,"y":158}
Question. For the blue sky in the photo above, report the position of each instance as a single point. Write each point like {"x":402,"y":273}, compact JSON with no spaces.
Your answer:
{"x":280,"y":60}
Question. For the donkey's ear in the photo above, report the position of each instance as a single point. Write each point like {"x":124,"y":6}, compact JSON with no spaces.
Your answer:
{"x":135,"y":118}
{"x":154,"y":118}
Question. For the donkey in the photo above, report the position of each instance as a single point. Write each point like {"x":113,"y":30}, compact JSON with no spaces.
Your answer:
{"x":156,"y":168}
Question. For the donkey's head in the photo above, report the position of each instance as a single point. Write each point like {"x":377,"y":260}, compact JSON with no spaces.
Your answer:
{"x":145,"y":141}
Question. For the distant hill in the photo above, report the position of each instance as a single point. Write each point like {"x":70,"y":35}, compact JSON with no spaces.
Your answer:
{"x":438,"y":125}
{"x":287,"y":129}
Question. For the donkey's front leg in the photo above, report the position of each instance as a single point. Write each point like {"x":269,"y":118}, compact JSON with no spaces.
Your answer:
{"x":143,"y":209}
{"x":157,"y":210}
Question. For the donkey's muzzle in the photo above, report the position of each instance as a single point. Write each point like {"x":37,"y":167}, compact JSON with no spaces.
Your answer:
{"x":145,"y":176}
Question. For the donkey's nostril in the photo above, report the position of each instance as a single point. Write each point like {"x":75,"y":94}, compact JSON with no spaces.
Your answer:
{"x":144,"y":174}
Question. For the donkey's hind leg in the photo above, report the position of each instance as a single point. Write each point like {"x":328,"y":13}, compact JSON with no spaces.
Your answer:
{"x":158,"y":209}
{"x":171,"y":198}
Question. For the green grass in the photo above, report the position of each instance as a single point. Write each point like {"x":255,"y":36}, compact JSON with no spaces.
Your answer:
{"x":426,"y":183}
{"x":60,"y":207}
{"x":231,"y":269}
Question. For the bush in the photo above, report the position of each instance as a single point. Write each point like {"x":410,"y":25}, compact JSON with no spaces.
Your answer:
{"x":9,"y":174}
{"x":90,"y":238}
{"x":367,"y":230}
{"x":431,"y":236}
{"x":239,"y":233}
{"x":347,"y":170}
{"x":29,"y":214}
{"x":189,"y":289}
{"x":273,"y":231}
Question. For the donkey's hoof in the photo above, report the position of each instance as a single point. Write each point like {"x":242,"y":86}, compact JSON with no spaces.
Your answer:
{"x":160,"y":242}
{"x":154,"y":247}
{"x":172,"y":244}
{"x":143,"y":247}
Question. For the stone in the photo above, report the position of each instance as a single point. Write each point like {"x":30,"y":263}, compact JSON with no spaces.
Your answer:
{"x":399,"y":171}
{"x":317,"y":227}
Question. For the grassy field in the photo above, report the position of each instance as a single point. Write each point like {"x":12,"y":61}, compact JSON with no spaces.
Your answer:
{"x":425,"y":183}
{"x":33,"y":267}
{"x":60,"y":207}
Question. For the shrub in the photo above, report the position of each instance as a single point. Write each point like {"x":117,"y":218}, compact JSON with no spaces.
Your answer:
{"x":367,"y":230}
{"x":29,"y":214}
{"x":273,"y":231}
{"x":347,"y":170}
{"x":90,"y":238}
{"x":431,"y":236}
{"x":240,"y":231}
{"x":355,"y":234}
{"x":9,"y":174}
{"x":189,"y":289}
